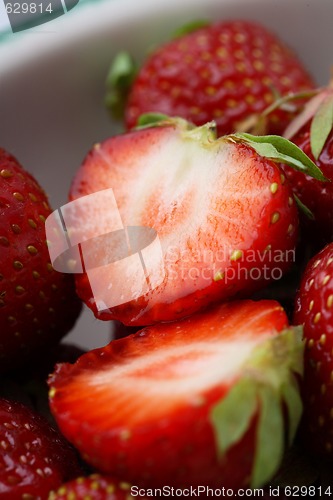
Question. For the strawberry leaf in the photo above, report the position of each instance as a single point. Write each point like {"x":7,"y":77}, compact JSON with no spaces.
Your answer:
{"x":321,"y":126}
{"x":118,"y":83}
{"x":307,"y":114}
{"x":281,"y":150}
{"x":190,"y":27}
{"x":270,"y":438}
{"x":294,"y":406}
{"x":268,"y":386}
{"x":151,"y":120}
{"x":278,"y":360}
{"x":231,"y":417}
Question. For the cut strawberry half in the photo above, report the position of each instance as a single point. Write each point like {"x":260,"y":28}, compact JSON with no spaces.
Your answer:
{"x":225,"y":219}
{"x":207,"y":400}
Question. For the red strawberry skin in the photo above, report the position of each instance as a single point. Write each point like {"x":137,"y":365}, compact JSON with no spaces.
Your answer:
{"x":224,"y":72}
{"x":314,"y":310}
{"x":219,"y":209}
{"x":93,"y":487}
{"x":37,"y":304}
{"x":316,"y":195}
{"x":140,"y":407}
{"x":34,"y":458}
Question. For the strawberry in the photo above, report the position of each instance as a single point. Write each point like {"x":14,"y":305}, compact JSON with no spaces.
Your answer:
{"x":199,"y":401}
{"x":312,"y":131}
{"x":314,"y":310}
{"x":228,"y":72}
{"x":37,"y":305}
{"x":93,"y":487}
{"x":222,"y":221}
{"x":34,"y":457}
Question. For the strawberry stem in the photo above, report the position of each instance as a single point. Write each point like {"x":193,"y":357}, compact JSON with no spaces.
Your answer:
{"x":303,"y":208}
{"x":190,"y":27}
{"x":282,"y":102}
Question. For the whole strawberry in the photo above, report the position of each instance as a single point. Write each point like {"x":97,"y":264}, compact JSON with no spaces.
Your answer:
{"x":209,"y":400}
{"x":94,"y":487}
{"x":37,"y":304}
{"x":228,"y":72}
{"x":312,"y":131}
{"x":314,"y":310}
{"x":34,"y":457}
{"x":216,"y":216}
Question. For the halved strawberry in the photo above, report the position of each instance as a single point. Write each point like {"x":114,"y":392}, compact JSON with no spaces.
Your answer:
{"x":314,"y":310}
{"x":226,"y":71}
{"x":93,"y":487}
{"x":206,"y":400}
{"x":222,"y":220}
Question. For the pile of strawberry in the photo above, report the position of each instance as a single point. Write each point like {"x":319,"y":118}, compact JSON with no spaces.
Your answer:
{"x":207,"y":377}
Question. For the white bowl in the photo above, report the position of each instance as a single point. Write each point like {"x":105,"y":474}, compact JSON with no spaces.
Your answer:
{"x":52,"y":79}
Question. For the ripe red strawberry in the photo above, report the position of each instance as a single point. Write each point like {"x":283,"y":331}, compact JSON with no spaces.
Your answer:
{"x":314,"y":310}
{"x":227,"y":72}
{"x":34,"y":458}
{"x":93,"y":487}
{"x":312,"y":131}
{"x":224,"y":217}
{"x":37,"y":305}
{"x":199,"y":401}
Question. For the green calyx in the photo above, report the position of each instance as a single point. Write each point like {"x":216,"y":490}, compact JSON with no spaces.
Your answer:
{"x":118,"y":83}
{"x":190,"y":27}
{"x":267,"y":386}
{"x":321,"y":126}
{"x":319,"y":112}
{"x":123,"y":71}
{"x":281,"y":150}
{"x":147,"y":120}
{"x":206,"y":134}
